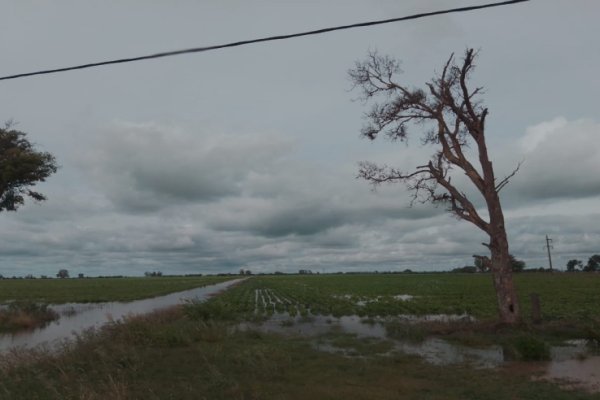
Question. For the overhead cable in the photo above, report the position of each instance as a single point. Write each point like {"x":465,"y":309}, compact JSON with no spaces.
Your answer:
{"x":260,"y":40}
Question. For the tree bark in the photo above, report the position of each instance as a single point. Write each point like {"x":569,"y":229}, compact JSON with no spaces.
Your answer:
{"x":501,"y":267}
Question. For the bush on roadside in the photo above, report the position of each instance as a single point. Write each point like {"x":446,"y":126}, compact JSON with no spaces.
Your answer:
{"x":20,"y":315}
{"x":212,"y":310}
{"x":529,"y":348}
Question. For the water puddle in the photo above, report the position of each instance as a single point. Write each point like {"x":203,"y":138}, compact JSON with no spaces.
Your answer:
{"x":77,"y":317}
{"x":577,"y":374}
{"x":363,"y":301}
{"x":575,"y":364}
{"x":433,"y":350}
{"x":440,"y":352}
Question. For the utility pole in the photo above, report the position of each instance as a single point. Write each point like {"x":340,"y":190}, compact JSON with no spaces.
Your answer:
{"x":548,"y":247}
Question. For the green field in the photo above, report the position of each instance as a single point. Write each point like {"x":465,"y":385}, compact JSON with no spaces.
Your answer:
{"x":85,"y":290}
{"x":563,"y":296}
{"x":201,"y":351}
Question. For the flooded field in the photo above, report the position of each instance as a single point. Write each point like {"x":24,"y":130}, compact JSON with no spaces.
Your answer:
{"x":391,"y":335}
{"x":576,"y":373}
{"x":77,"y":317}
{"x":574,"y":363}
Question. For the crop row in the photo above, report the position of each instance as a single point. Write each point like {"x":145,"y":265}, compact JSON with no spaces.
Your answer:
{"x":572,"y":296}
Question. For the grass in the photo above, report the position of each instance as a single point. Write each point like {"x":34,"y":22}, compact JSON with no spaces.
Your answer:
{"x":25,"y":316}
{"x":563,"y":296}
{"x":198,"y":352}
{"x":167,"y":355}
{"x":356,"y":346}
{"x":86,"y":290}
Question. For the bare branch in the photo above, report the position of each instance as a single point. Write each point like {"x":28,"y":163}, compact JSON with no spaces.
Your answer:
{"x":456,"y":117}
{"x":506,"y":179}
{"x":377,"y":175}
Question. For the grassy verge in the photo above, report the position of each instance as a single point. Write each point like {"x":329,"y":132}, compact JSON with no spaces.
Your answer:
{"x":168,"y":355}
{"x":97,"y":289}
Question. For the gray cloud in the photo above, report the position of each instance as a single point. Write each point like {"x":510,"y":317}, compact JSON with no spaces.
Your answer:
{"x":145,"y":167}
{"x":247,"y":157}
{"x":562,"y":160}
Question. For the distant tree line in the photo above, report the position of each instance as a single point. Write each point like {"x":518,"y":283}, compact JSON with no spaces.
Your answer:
{"x":592,"y":265}
{"x":482,"y":264}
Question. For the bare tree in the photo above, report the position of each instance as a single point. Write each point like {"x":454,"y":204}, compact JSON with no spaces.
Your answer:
{"x":455,"y":120}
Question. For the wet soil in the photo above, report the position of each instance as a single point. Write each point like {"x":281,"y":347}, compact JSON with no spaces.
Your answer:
{"x":573,"y":364}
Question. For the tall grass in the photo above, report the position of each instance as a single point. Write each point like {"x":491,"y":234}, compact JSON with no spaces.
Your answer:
{"x":166,"y":355}
{"x":24,"y":315}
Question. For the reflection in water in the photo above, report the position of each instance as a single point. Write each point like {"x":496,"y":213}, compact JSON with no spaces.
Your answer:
{"x":584,"y":374}
{"x":75,"y":318}
{"x":440,"y":352}
{"x":568,"y":363}
{"x":433,"y":350}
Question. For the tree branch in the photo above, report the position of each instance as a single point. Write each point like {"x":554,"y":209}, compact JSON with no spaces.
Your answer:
{"x":506,"y":179}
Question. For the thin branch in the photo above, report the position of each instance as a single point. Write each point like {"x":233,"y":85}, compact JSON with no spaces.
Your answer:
{"x":506,"y":179}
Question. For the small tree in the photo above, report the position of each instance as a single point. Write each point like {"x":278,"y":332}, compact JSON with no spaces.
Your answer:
{"x":456,"y":120}
{"x":62,"y":273}
{"x":593,"y":263}
{"x":482,"y":263}
{"x":21,"y":167}
{"x":574,"y":265}
{"x":517,"y":265}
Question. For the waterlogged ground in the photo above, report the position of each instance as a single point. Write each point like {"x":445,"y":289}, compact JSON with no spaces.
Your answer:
{"x":170,"y":355}
{"x":574,"y":363}
{"x":75,"y":318}
{"x":328,"y":337}
{"x":342,"y":316}
{"x":327,"y":331}
{"x":563,"y":296}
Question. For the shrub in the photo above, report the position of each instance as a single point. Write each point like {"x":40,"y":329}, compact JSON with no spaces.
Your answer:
{"x":210,"y":310}
{"x":530,"y":348}
{"x":25,"y":315}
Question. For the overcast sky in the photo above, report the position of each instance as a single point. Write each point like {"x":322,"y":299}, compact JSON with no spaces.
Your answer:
{"x":247,"y":157}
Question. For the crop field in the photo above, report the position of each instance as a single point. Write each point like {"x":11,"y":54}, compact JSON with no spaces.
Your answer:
{"x":217,"y":349}
{"x":563,"y":296}
{"x":97,"y":289}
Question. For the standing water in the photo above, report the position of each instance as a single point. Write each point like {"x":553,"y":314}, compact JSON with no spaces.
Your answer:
{"x":77,"y":317}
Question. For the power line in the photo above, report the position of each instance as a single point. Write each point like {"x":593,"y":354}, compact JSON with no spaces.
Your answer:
{"x":265,"y":39}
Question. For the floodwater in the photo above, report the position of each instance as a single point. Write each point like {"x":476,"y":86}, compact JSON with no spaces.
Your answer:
{"x":577,"y":373}
{"x":574,"y":364}
{"x":433,"y":350}
{"x":78,"y":317}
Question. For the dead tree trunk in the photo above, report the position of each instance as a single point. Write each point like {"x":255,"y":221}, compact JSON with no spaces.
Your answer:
{"x":501,"y":268}
{"x":500,"y":265}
